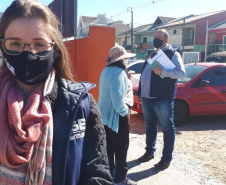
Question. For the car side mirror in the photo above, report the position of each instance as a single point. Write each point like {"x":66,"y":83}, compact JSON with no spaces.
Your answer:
{"x":204,"y":83}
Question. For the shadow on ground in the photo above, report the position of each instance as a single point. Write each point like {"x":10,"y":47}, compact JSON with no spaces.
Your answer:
{"x":137,"y":176}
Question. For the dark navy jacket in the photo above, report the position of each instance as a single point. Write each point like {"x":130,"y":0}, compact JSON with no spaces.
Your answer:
{"x":79,"y":141}
{"x":162,"y":87}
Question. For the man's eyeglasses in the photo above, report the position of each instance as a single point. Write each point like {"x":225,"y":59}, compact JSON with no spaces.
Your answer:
{"x":15,"y":47}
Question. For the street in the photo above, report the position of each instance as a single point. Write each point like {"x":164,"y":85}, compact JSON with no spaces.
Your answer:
{"x":199,"y":154}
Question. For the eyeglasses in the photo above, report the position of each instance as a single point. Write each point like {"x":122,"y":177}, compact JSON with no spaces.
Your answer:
{"x":15,"y":47}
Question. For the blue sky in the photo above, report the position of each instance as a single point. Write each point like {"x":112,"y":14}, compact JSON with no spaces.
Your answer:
{"x":144,"y":11}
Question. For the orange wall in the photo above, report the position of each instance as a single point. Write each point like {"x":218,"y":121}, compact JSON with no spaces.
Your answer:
{"x":89,"y":54}
{"x":82,"y":59}
{"x":70,"y":45}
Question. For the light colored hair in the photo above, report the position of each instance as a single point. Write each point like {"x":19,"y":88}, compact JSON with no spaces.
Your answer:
{"x":36,"y":10}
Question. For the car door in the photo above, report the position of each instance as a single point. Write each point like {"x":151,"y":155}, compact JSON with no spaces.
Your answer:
{"x":210,"y":92}
{"x":137,"y":68}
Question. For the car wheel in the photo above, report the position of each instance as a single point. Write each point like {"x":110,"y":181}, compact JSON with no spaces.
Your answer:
{"x":180,"y":112}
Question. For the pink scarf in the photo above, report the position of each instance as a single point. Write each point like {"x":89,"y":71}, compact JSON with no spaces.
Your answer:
{"x":26,"y":131}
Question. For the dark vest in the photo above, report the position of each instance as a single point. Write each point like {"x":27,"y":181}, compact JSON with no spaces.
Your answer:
{"x":162,"y":87}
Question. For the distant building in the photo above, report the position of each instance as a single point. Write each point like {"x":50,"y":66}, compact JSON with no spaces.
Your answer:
{"x":217,"y":37}
{"x":86,"y":21}
{"x":217,"y":43}
{"x":120,"y":27}
{"x":143,"y":35}
{"x":190,"y":32}
{"x":101,"y":20}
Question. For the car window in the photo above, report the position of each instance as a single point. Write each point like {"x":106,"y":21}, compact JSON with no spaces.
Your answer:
{"x":131,"y":61}
{"x":136,"y":67}
{"x":215,"y":77}
{"x":191,"y":71}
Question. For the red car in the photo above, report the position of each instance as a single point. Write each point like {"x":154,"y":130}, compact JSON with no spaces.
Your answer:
{"x":201,"y":92}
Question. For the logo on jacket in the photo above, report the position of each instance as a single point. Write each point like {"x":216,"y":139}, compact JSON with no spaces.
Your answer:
{"x":78,"y":129}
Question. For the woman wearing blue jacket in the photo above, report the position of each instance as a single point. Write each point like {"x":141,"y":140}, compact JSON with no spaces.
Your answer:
{"x":114,"y":105}
{"x":51,"y":130}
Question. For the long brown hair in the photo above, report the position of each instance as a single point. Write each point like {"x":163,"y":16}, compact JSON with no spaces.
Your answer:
{"x":37,"y":10}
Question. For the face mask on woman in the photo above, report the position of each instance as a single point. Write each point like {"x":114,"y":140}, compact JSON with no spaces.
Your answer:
{"x":30,"y":69}
{"x":125,"y":61}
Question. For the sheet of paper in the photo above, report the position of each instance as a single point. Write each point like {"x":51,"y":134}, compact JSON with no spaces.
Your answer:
{"x":162,"y":59}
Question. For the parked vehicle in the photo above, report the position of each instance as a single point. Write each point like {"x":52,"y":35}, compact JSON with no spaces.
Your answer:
{"x":135,"y":67}
{"x":201,"y":92}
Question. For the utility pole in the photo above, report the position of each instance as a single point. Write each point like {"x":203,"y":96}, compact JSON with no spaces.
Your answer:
{"x":130,"y":9}
{"x":207,"y":32}
{"x":183,"y":35}
{"x":75,"y":18}
{"x":126,"y":41}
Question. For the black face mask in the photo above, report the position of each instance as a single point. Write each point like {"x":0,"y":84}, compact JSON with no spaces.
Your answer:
{"x":28,"y":68}
{"x":157,"y":43}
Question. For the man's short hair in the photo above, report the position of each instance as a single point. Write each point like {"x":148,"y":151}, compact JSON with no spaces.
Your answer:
{"x":163,"y":31}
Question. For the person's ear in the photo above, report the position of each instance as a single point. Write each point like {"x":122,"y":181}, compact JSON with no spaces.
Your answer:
{"x":166,"y":40}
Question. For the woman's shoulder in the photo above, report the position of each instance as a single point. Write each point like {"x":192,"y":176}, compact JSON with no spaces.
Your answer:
{"x":76,"y":93}
{"x":75,"y":86}
{"x":117,"y":71}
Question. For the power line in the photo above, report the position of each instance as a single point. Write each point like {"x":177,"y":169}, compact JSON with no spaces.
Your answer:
{"x":147,"y":4}
{"x":137,"y":7}
{"x":203,"y":8}
{"x":118,"y":14}
{"x":154,"y":2}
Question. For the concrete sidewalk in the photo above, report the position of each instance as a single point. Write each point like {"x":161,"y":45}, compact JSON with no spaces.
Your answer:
{"x":145,"y":174}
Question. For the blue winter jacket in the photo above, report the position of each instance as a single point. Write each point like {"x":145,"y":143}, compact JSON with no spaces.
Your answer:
{"x":113,"y":88}
{"x":79,"y":140}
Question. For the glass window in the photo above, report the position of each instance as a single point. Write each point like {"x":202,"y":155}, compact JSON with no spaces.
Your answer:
{"x":215,"y":77}
{"x":145,"y":40}
{"x":191,"y":72}
{"x":136,"y":67}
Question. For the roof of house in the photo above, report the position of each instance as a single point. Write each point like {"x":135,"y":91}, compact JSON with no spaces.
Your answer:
{"x":137,"y":30}
{"x":219,"y":25}
{"x":142,"y":28}
{"x":160,"y":20}
{"x":86,"y":20}
{"x":182,"y":18}
{"x":119,"y":26}
{"x":165,"y":20}
{"x":188,"y":19}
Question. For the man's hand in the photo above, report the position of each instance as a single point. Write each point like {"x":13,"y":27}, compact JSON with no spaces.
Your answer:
{"x":149,"y":56}
{"x":157,"y":70}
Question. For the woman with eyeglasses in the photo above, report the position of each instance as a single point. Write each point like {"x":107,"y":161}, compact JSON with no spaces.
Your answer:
{"x":50,"y":126}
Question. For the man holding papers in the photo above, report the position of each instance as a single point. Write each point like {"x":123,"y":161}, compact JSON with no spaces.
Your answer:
{"x":157,"y":88}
